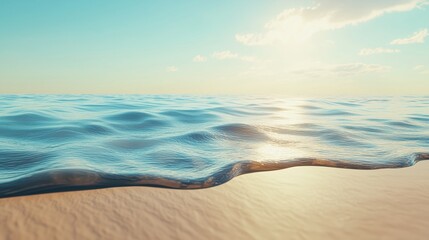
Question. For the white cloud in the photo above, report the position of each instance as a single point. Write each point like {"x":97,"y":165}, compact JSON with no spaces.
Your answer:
{"x":298,"y":24}
{"x":199,"y":58}
{"x":371,"y":51}
{"x":230,"y":55}
{"x":348,"y":69}
{"x":418,"y":37}
{"x":248,"y":59}
{"x":225,"y":55}
{"x":421,"y":69}
{"x":172,"y":69}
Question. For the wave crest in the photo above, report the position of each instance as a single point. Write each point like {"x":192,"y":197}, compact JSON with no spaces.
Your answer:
{"x":78,"y":179}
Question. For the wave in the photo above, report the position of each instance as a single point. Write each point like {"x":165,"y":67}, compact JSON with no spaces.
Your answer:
{"x":61,"y":143}
{"x":78,"y":179}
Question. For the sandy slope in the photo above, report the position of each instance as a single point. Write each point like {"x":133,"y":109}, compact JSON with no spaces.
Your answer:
{"x":297,"y":203}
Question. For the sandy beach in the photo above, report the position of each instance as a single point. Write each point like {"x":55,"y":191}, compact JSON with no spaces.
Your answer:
{"x":214,"y":120}
{"x":295,"y":203}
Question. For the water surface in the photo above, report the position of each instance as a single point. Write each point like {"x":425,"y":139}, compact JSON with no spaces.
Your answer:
{"x":70,"y":142}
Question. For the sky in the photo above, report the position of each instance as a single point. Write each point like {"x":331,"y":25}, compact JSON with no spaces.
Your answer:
{"x":272,"y":47}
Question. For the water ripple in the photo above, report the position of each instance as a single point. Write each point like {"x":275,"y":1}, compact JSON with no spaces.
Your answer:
{"x":57,"y":143}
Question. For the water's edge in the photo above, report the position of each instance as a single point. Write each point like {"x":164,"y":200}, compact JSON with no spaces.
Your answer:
{"x":75,"y":179}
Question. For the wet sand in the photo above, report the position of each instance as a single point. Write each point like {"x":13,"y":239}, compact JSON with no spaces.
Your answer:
{"x":296,"y":203}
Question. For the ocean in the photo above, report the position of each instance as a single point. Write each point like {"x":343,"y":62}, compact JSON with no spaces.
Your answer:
{"x":52,"y":143}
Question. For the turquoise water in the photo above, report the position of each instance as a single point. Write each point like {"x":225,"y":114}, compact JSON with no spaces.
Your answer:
{"x":70,"y":142}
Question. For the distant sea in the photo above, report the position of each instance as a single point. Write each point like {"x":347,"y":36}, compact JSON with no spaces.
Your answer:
{"x":54,"y":143}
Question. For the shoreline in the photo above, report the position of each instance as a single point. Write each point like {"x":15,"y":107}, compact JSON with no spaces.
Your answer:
{"x":297,"y":203}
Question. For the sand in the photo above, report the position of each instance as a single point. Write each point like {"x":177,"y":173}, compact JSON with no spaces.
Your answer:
{"x":295,"y":203}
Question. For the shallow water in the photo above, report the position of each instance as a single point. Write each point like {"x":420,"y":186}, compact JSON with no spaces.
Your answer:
{"x":57,"y":143}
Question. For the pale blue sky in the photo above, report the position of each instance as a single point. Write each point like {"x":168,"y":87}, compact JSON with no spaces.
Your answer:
{"x":293,"y":48}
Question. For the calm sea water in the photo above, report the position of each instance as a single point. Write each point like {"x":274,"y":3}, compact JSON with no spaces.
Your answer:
{"x":56,"y":143}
